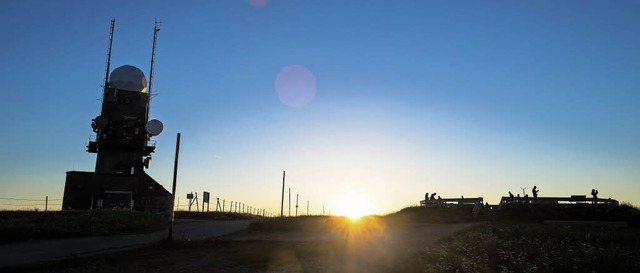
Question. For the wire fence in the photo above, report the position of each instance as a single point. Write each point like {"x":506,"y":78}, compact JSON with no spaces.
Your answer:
{"x":220,"y":205}
{"x":31,"y":204}
{"x":215,"y":204}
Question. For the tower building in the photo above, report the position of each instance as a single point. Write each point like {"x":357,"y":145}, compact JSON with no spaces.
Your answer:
{"x":123,"y":146}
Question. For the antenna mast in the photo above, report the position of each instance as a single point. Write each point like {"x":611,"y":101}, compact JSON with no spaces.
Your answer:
{"x":153,"y":57}
{"x":106,"y":72}
{"x":156,"y":29}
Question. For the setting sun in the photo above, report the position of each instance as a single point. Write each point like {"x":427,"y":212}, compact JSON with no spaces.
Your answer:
{"x":354,"y":208}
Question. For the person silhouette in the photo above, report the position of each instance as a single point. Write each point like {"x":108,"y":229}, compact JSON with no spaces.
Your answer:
{"x":535,"y":191}
{"x":594,"y":193}
{"x":510,"y":195}
{"x":433,"y":196}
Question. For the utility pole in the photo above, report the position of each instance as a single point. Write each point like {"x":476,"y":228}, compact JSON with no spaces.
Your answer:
{"x":296,"y":205}
{"x":46,"y":203}
{"x":281,"y":203}
{"x":289,"y":202}
{"x":307,"y":207}
{"x":173,"y":191}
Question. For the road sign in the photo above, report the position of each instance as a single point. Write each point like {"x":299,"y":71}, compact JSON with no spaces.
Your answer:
{"x":205,"y":197}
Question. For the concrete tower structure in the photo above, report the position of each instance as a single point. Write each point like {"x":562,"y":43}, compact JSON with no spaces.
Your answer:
{"x":123,"y":146}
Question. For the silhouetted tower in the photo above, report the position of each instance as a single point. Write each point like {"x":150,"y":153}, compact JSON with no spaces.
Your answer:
{"x":122,"y":143}
{"x":123,"y":130}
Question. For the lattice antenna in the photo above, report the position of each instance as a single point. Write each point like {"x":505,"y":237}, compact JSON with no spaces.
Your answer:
{"x":108,"y":66}
{"x":156,"y":29}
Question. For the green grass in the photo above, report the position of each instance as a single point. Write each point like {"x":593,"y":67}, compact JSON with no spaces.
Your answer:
{"x":30,"y":225}
{"x":215,"y":215}
{"x":528,"y":247}
{"x":434,"y":214}
{"x":300,"y":223}
{"x":580,"y":212}
{"x":16,"y":226}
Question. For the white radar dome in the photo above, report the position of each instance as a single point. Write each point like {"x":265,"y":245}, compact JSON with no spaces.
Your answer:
{"x":128,"y":78}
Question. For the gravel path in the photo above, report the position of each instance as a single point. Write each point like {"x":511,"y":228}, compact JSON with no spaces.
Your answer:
{"x":52,"y":250}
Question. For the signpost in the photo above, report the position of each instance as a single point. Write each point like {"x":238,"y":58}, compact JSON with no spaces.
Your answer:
{"x":205,"y":199}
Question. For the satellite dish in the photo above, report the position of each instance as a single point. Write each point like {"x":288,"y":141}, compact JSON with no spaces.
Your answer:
{"x":154,"y":127}
{"x":101,"y":121}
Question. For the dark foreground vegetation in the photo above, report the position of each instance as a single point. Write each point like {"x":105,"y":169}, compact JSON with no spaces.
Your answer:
{"x":214,"y":215}
{"x":30,"y":225}
{"x":436,"y":214}
{"x":16,"y":226}
{"x":579,"y":212}
{"x":516,"y":241}
{"x":528,"y":247}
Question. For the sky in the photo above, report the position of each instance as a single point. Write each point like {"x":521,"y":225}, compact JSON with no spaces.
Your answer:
{"x":363,"y":103}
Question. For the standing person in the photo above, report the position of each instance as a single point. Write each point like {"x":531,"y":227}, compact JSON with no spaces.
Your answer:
{"x":426,"y":196}
{"x":594,"y":193}
{"x":535,"y":191}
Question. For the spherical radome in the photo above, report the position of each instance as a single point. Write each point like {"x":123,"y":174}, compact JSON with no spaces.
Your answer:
{"x":128,"y":78}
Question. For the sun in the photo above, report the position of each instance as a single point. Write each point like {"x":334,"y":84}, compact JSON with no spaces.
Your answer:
{"x":353,"y":208}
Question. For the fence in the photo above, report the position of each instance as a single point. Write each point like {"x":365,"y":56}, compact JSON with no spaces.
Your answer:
{"x":44,"y":204}
{"x":215,"y":204}
{"x":221,"y":205}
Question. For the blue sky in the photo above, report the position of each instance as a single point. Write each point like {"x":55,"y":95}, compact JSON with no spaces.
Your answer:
{"x":471,"y":98}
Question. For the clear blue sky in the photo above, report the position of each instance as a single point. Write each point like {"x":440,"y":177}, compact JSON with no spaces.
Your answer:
{"x":472,"y":98}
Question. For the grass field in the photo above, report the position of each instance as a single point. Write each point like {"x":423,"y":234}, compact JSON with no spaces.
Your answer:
{"x":528,"y":247}
{"x":16,"y":226}
{"x":516,"y":242}
{"x":30,"y":225}
{"x":215,"y":215}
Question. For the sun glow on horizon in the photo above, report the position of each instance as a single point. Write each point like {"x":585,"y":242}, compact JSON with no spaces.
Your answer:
{"x":354,"y":208}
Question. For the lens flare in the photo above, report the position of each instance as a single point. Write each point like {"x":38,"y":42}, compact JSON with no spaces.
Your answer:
{"x":258,"y":3}
{"x":295,"y":85}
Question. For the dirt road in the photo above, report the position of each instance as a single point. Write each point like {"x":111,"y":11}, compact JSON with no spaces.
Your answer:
{"x":57,"y":249}
{"x":345,"y":249}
